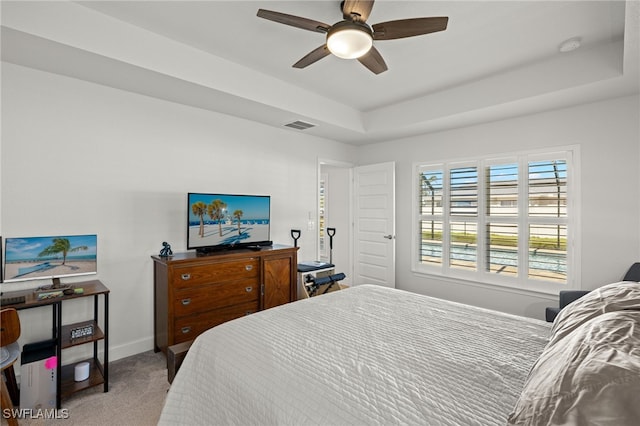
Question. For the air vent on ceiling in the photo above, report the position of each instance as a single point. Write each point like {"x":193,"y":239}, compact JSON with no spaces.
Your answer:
{"x":300,"y":125}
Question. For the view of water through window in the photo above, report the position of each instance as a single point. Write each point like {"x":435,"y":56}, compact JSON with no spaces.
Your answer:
{"x":517,"y":207}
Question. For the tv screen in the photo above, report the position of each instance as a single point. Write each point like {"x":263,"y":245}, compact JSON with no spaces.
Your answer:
{"x":220,"y":221}
{"x":33,"y":258}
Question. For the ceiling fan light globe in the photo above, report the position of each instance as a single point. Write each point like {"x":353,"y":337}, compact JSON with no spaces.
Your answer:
{"x":349,"y":43}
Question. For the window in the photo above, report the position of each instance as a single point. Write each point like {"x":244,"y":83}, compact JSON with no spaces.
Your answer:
{"x":503,"y":221}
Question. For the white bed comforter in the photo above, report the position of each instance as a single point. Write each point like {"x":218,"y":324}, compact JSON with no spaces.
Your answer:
{"x":366,"y":355}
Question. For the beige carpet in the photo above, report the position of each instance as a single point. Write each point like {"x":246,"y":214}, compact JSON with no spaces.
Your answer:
{"x":137,"y":389}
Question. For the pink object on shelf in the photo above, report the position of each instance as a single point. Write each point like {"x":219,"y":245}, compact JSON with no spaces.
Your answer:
{"x":51,"y":363}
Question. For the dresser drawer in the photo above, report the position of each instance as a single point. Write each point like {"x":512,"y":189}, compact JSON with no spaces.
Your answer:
{"x":189,"y":327}
{"x":190,"y":276}
{"x":214,"y":296}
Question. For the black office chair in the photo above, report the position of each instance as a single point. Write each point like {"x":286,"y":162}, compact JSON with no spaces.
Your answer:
{"x":633,"y":274}
{"x":568,"y":296}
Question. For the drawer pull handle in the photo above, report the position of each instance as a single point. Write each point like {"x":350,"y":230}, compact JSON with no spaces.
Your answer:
{"x":186,"y":301}
{"x":249,"y":289}
{"x":185,"y":277}
{"x":248,"y":267}
{"x":186,"y":330}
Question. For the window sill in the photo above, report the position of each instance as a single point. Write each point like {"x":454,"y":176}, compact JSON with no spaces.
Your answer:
{"x":551,"y":295}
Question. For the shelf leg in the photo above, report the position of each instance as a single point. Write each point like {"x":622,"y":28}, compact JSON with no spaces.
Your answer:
{"x":106,"y":342}
{"x":95,"y":318}
{"x":57,"y":307}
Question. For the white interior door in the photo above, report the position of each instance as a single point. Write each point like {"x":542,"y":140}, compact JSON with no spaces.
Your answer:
{"x":374,"y":224}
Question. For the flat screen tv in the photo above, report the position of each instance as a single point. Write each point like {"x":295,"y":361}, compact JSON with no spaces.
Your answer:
{"x":55,"y":257}
{"x":225,"y":221}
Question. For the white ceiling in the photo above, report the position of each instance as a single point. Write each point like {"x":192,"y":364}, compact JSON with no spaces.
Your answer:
{"x":496,"y":59}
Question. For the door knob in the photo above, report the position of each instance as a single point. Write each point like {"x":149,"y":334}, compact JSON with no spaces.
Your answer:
{"x":389,"y":237}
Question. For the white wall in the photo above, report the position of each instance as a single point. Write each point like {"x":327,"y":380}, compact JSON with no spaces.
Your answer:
{"x":609,"y":137}
{"x":82,"y":158}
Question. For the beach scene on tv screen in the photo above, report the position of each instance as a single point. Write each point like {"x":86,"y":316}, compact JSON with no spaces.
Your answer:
{"x":216,"y":220}
{"x":45,"y":257}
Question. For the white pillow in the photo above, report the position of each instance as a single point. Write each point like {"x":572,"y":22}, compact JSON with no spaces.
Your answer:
{"x":590,"y":377}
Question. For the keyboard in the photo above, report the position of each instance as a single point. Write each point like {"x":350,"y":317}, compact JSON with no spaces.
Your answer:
{"x":12,"y":300}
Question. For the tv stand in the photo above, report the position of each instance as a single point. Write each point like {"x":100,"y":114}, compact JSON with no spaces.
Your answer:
{"x":193,"y":293}
{"x":205,"y":251}
{"x":55,"y":289}
{"x":99,"y":370}
{"x":57,"y":285}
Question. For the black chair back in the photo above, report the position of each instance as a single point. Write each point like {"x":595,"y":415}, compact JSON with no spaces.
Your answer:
{"x":633,"y":274}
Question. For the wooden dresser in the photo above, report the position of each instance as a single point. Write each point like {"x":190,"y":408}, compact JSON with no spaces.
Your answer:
{"x":194,"y":292}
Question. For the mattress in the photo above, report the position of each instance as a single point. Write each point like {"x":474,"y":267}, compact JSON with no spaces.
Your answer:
{"x":365,"y":355}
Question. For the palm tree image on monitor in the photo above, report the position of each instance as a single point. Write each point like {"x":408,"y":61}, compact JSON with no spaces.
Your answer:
{"x":50,"y":257}
{"x":216,"y":212}
{"x":61,"y":245}
{"x":225,"y":220}
{"x":200,"y":209}
{"x":238,"y":215}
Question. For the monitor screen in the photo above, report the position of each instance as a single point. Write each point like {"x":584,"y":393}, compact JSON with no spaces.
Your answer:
{"x":218,"y":221}
{"x":32,"y":258}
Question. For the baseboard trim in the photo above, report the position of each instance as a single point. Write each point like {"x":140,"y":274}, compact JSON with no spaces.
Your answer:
{"x":130,"y":348}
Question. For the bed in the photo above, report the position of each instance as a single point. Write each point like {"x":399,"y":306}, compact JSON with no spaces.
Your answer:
{"x":372,"y":355}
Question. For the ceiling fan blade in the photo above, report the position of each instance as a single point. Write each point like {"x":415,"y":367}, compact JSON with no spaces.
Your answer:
{"x":294,"y":21}
{"x":373,"y":60}
{"x":313,"y":56}
{"x":360,"y":8}
{"x":408,"y":27}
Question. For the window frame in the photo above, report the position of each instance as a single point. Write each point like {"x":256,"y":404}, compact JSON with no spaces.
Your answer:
{"x":522,"y":220}
{"x":323,"y":213}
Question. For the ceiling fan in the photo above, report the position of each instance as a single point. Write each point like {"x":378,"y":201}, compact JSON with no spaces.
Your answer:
{"x":352,"y":38}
